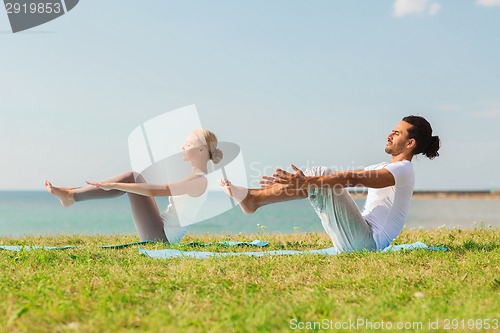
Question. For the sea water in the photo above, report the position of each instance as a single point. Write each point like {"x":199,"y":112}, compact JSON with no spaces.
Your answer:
{"x":39,"y":213}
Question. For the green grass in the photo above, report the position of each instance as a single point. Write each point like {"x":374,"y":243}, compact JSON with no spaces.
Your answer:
{"x":94,"y":290}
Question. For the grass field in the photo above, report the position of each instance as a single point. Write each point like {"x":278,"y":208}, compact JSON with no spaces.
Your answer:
{"x":95,"y":290}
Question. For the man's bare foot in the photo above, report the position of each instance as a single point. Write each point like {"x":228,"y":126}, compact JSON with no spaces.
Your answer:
{"x":63,"y":194}
{"x":241,"y":194}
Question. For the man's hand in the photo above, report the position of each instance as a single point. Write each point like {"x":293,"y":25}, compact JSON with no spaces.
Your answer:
{"x":296,"y":180}
{"x":267,"y":181}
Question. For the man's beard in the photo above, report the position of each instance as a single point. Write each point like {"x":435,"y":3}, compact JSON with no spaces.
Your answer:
{"x":393,"y":150}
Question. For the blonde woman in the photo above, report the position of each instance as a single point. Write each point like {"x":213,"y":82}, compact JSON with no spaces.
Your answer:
{"x":199,"y":147}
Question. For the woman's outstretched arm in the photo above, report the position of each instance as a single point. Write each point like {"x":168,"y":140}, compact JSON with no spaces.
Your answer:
{"x":193,"y":186}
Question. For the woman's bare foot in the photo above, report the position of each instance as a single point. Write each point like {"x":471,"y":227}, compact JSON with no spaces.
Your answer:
{"x":63,"y":194}
{"x":241,"y":194}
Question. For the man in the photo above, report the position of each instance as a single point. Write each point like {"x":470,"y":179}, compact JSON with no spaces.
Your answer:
{"x":390,"y":187}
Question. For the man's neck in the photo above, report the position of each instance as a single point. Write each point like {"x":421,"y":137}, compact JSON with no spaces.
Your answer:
{"x":401,"y":157}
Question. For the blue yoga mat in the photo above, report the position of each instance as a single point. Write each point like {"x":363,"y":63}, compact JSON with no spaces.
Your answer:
{"x":170,"y":253}
{"x":17,"y":248}
{"x":257,"y":243}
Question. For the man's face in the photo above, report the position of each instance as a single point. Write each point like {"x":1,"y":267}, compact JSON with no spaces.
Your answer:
{"x":398,"y":140}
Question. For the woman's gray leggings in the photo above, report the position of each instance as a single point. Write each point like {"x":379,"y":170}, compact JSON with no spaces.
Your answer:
{"x":147,"y":219}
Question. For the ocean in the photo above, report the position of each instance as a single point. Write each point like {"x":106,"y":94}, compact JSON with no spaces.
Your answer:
{"x":39,"y":213}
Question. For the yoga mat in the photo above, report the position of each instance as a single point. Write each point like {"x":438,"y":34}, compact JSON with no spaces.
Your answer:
{"x":257,"y":243}
{"x":17,"y":248}
{"x":171,"y":253}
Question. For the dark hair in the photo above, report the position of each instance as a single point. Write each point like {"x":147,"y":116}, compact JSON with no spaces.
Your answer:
{"x":421,"y":131}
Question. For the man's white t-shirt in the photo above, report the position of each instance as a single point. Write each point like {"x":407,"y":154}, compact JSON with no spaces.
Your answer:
{"x":386,"y":208}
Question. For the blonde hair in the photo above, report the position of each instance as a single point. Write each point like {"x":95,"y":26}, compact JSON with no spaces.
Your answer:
{"x":210,"y":140}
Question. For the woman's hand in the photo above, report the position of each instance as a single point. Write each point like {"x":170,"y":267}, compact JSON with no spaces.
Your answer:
{"x":102,"y":185}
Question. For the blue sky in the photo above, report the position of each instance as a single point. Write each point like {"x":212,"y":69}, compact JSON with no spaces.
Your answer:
{"x":308,"y":82}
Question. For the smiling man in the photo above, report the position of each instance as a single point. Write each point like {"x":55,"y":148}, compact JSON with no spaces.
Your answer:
{"x":390,"y":187}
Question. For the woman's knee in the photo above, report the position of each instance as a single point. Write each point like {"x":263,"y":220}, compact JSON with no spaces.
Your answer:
{"x":131,"y":177}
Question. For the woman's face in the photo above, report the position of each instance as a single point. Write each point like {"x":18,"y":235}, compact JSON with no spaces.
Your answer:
{"x":192,"y":147}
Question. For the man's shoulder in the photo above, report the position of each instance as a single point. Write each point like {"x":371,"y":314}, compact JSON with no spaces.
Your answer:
{"x":403,"y":172}
{"x":404,"y":166}
{"x":376,"y":166}
{"x":400,"y":166}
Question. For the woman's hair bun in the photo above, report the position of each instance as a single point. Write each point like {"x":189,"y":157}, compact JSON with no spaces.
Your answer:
{"x":217,"y":155}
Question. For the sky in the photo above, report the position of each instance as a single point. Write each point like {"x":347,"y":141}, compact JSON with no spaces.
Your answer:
{"x":315,"y":82}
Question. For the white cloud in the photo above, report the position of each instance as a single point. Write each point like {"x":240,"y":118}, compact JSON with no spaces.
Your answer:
{"x":488,"y":3}
{"x":434,"y":8}
{"x":407,"y":7}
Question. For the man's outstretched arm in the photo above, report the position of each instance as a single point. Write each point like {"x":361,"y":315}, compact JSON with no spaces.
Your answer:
{"x":354,"y":178}
{"x":350,"y":178}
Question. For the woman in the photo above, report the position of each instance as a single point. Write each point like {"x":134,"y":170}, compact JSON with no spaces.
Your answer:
{"x":199,"y":148}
